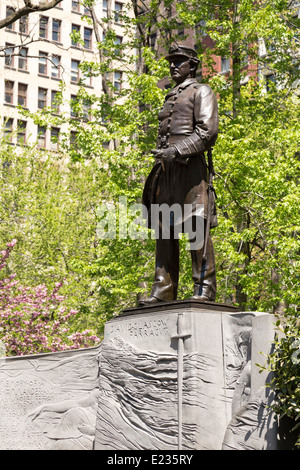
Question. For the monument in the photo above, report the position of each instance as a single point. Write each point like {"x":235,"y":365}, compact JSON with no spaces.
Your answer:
{"x":175,"y":377}
{"x":182,"y":377}
{"x":169,"y":374}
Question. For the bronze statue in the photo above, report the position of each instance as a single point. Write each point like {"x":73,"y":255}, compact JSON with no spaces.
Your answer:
{"x":188,"y":127}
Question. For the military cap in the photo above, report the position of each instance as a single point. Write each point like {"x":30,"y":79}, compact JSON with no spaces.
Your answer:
{"x":179,"y":50}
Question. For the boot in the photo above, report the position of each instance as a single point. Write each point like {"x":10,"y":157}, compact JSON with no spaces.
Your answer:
{"x":164,"y":288}
{"x":204,"y":275}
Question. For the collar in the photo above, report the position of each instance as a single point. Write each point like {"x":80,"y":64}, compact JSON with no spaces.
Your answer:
{"x":186,"y":83}
{"x":182,"y":86}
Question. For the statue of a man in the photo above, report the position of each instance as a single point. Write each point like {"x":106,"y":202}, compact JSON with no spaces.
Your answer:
{"x":188,"y":127}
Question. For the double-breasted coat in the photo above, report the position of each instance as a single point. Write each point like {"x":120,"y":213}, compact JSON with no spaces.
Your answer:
{"x":188,"y":120}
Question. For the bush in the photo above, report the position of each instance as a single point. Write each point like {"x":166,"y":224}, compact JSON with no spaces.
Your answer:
{"x":284,"y":361}
{"x":33,"y":320}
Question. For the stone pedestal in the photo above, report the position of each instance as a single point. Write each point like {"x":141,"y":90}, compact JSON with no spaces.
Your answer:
{"x":178,"y":375}
{"x":171,"y":376}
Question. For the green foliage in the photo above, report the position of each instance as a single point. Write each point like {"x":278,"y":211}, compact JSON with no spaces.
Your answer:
{"x":284,"y":363}
{"x":257,"y":185}
{"x":52,"y":201}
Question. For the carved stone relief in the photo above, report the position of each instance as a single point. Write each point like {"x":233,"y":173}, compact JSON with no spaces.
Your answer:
{"x":49,"y":401}
{"x":138,"y":408}
{"x":167,"y":380}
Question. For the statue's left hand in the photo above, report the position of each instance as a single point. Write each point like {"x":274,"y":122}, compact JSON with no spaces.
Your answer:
{"x":169,"y":154}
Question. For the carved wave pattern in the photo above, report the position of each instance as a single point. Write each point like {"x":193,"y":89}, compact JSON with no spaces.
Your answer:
{"x":138,"y":402}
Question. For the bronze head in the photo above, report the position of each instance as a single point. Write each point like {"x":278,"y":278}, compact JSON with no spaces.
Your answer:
{"x":183,"y":62}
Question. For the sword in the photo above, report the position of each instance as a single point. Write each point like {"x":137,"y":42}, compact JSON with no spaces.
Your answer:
{"x":209,"y":202}
{"x":181,"y":335}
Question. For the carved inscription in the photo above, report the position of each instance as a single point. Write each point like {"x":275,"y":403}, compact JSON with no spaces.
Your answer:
{"x":148,"y":328}
{"x":48,"y":401}
{"x":141,"y":328}
{"x":17,"y":397}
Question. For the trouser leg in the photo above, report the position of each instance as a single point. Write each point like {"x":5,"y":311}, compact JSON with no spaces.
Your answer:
{"x":203,"y":270}
{"x":165,"y":283}
{"x":166,"y":269}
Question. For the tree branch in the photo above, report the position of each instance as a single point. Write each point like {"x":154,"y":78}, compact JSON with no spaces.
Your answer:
{"x":30,"y":7}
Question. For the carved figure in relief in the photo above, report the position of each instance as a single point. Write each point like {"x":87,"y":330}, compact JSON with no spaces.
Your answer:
{"x":69,"y":424}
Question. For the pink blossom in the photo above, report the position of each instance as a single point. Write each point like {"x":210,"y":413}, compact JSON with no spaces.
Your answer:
{"x":32,"y":319}
{"x":12,"y":243}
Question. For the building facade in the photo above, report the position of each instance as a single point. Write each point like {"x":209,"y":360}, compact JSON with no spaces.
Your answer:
{"x":38,"y":55}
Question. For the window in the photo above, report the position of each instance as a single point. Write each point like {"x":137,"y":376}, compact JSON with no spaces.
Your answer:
{"x":22,"y":62}
{"x":75,"y":6}
{"x":74,"y":105}
{"x":21,"y":131}
{"x":118,"y":43}
{"x":153,"y":37}
{"x":225,"y":64}
{"x":262,"y":50}
{"x":117,"y":81}
{"x":270,"y":81}
{"x":9,"y":58}
{"x":76,"y":31}
{"x":245,"y":60}
{"x":55,"y":101}
{"x":10,"y":11}
{"x":87,"y":38}
{"x":56,"y":24}
{"x":43,"y":63}
{"x":87,"y":78}
{"x":86,"y":11}
{"x":23,"y":25}
{"x":22,"y":94}
{"x":180,"y":31}
{"x":41,"y":136}
{"x":9,"y":92}
{"x":43,"y":28}
{"x":86,"y":109}
{"x":73,"y":137}
{"x":55,"y":66}
{"x":80,"y":108}
{"x":42,"y":98}
{"x":8,"y":128}
{"x":54,"y":143}
{"x":104,"y":9}
{"x":118,"y":10}
{"x":201,"y":28}
{"x":74,"y":71}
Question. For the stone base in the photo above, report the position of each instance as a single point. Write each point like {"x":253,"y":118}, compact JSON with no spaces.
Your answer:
{"x":178,"y":375}
{"x":179,"y":305}
{"x":210,"y":347}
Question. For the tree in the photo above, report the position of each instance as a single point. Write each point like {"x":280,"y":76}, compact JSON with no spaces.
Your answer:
{"x":32,"y":320}
{"x":123,"y":121}
{"x":257,"y":247}
{"x":236,"y":29}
